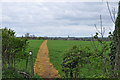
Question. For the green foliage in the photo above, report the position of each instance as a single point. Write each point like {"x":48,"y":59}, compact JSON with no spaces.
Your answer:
{"x":72,"y":61}
{"x":13,"y":49}
{"x":34,"y":47}
{"x":103,"y":54}
{"x":11,"y":73}
{"x":0,"y":52}
{"x":115,"y":48}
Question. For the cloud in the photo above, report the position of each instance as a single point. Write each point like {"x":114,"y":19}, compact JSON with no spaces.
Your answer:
{"x":59,"y":0}
{"x":55,"y":18}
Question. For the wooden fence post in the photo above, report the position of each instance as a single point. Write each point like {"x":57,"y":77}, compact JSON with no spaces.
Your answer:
{"x":31,"y":63}
{"x":26,"y":63}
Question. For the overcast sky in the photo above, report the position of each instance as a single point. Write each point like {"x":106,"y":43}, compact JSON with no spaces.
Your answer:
{"x":56,"y":18}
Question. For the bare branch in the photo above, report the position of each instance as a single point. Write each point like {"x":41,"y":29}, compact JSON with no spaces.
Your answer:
{"x":93,"y":43}
{"x":101,"y":26}
{"x":110,"y":13}
{"x":110,"y":29}
{"x":113,"y":12}
{"x":97,"y":29}
{"x":104,"y":30}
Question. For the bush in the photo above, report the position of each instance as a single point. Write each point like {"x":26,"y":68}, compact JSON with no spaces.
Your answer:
{"x":72,"y":61}
{"x":11,"y":73}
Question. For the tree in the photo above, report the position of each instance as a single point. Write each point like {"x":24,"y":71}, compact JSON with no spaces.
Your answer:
{"x":13,"y":48}
{"x":0,"y":43}
{"x":102,"y":52}
{"x":27,"y":35}
{"x":115,"y":48}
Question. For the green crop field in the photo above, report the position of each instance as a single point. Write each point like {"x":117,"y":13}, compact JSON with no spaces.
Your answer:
{"x":34,"y":47}
{"x":58,"y":47}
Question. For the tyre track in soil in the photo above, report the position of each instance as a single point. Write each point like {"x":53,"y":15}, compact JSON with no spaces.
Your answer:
{"x":42,"y":66}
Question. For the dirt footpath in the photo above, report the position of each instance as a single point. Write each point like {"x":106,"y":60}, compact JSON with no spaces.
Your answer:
{"x":42,"y":66}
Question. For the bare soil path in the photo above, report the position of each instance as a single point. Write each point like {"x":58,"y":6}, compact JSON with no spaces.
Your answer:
{"x":42,"y":66}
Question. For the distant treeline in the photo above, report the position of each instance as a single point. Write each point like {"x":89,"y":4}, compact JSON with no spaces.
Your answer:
{"x":66,"y":38}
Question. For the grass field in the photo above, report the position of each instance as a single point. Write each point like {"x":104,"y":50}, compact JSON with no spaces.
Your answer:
{"x":34,"y":47}
{"x":58,"y":47}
